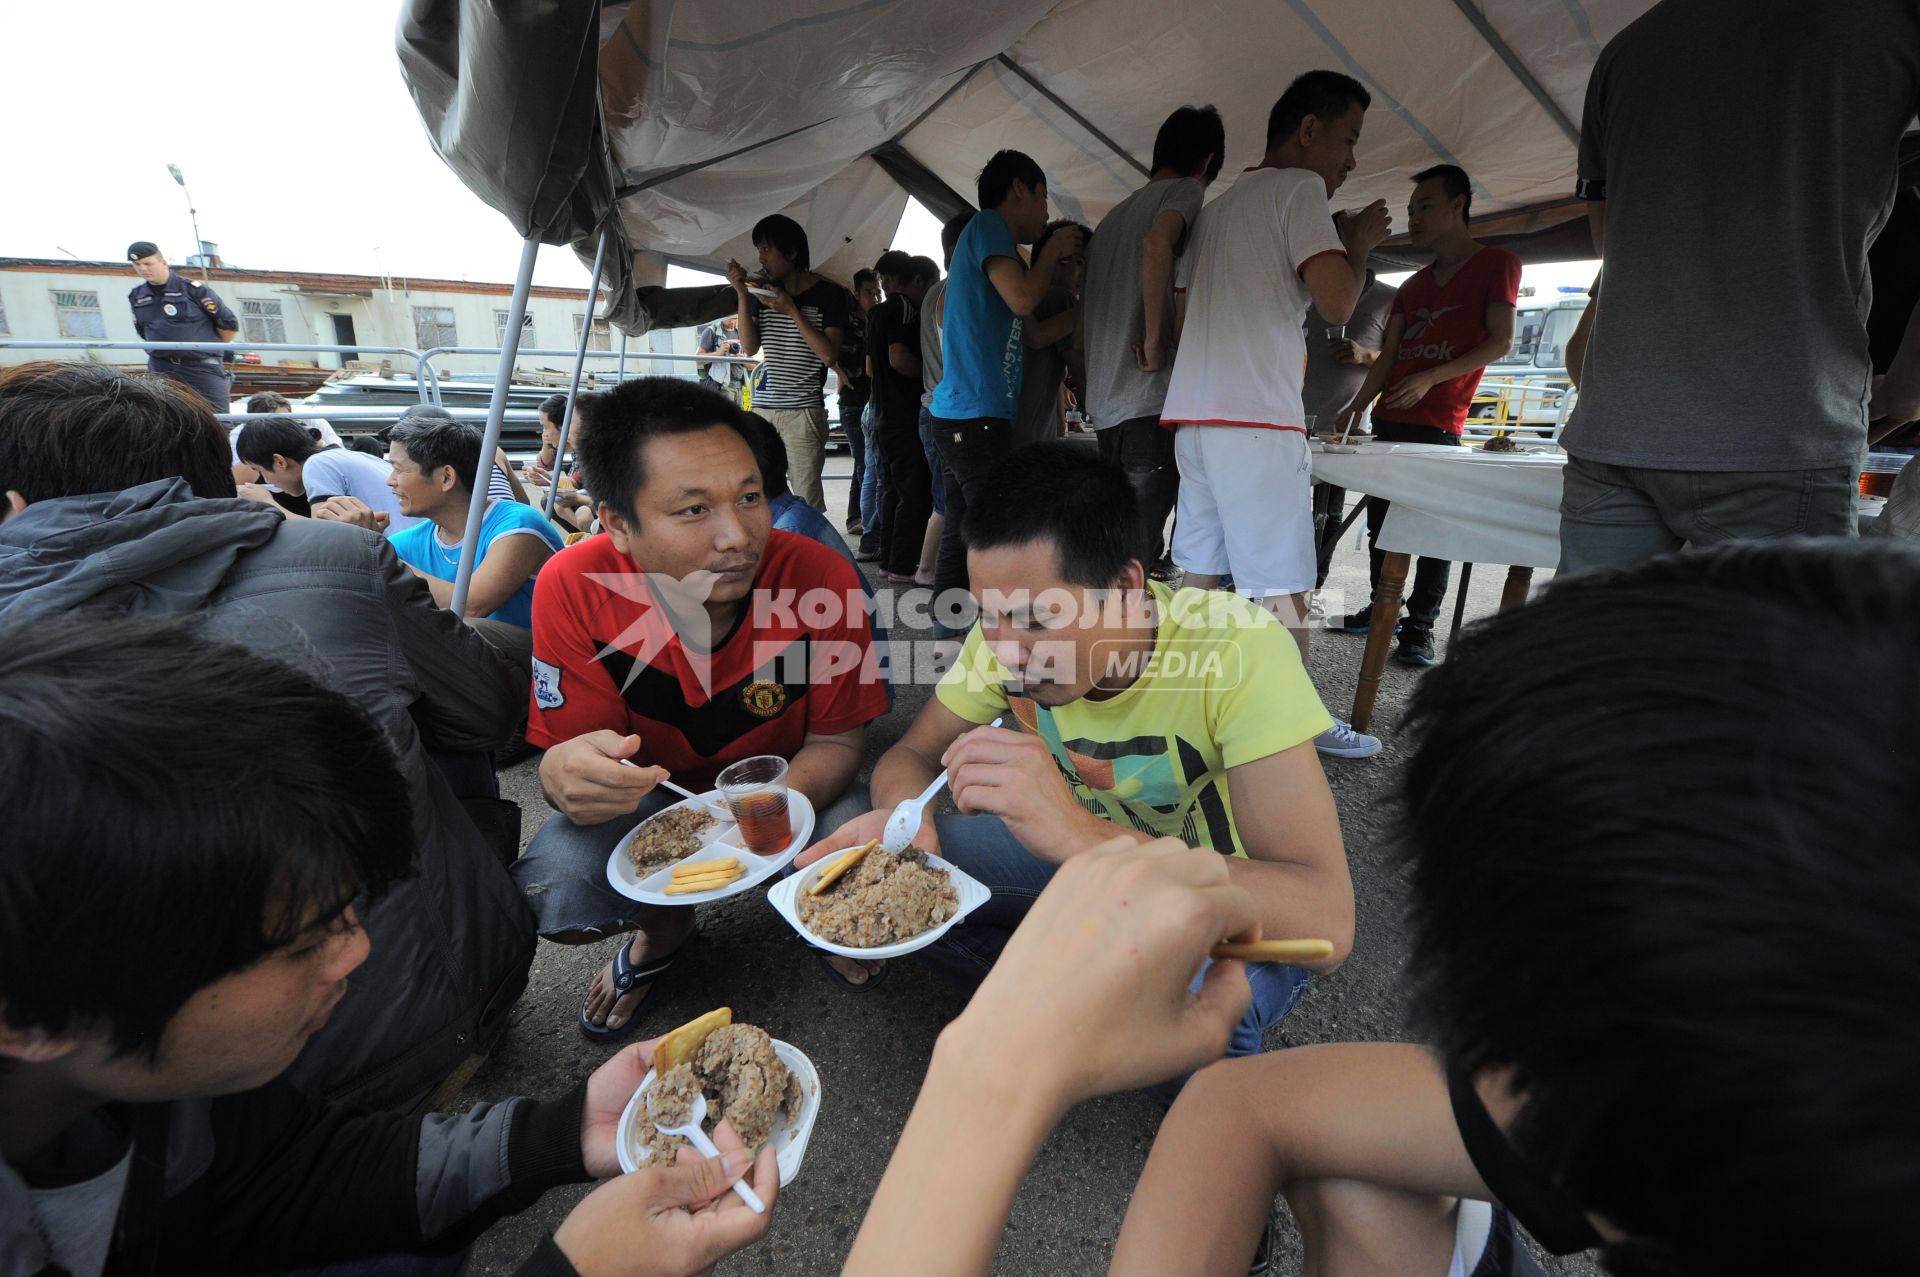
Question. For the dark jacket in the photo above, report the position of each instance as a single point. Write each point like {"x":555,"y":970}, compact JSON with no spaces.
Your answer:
{"x":451,"y":945}
{"x":267,"y":1180}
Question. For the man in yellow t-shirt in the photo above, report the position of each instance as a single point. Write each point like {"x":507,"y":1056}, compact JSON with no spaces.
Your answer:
{"x":1131,"y":711}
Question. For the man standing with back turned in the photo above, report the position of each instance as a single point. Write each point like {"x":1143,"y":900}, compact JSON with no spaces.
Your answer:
{"x":167,"y":306}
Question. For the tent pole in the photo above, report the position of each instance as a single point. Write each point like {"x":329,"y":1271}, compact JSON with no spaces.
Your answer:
{"x":579,"y":362}
{"x":496,"y":414}
{"x":619,"y":373}
{"x":1072,"y":114}
{"x":1505,"y":53}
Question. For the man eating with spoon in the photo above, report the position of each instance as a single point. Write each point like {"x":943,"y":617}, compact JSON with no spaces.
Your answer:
{"x":690,"y":635}
{"x":1140,"y":710}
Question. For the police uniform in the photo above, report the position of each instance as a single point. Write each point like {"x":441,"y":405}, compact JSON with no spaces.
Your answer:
{"x":184,"y":310}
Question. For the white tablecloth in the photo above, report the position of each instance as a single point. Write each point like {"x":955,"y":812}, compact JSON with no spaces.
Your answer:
{"x":1458,"y":503}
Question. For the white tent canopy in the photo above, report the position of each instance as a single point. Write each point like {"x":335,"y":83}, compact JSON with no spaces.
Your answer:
{"x":694,"y":121}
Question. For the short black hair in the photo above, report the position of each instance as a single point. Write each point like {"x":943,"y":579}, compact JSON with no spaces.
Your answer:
{"x":73,"y":428}
{"x":1086,"y":233}
{"x":433,"y":438}
{"x":622,"y":421}
{"x":209,"y":807}
{"x":1659,"y":828}
{"x":865,"y":276}
{"x":1327,"y":94}
{"x":1064,"y":493}
{"x":268,"y":401}
{"x":1192,"y":142}
{"x":951,"y":231}
{"x":1453,"y":179}
{"x":924,"y":269}
{"x":782,"y":233}
{"x":893,"y":264}
{"x":1002,"y":171}
{"x":770,"y":451}
{"x":554,"y":408}
{"x":261,"y":439}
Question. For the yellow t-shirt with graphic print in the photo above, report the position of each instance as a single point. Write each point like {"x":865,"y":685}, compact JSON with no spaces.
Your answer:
{"x":1223,"y":686}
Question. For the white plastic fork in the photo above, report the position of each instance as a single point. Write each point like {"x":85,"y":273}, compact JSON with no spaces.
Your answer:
{"x":719,"y":809}
{"x":906,"y":818}
{"x":693,"y":1134}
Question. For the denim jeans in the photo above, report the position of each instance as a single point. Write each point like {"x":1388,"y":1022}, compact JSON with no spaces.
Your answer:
{"x":986,"y":849}
{"x":852,"y":421}
{"x":933,"y":461}
{"x":969,"y":450}
{"x":1144,"y":449}
{"x":873,"y":475}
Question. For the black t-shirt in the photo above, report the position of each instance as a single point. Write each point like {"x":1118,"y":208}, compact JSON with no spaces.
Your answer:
{"x":853,"y":360}
{"x":895,"y":321}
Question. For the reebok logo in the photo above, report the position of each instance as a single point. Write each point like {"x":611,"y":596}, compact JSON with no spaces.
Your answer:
{"x":1440,"y":352}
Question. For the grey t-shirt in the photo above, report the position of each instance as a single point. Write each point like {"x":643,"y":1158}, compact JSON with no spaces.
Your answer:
{"x":1036,"y":417}
{"x":932,"y":309}
{"x":1331,"y":385}
{"x":340,"y":472}
{"x":1117,"y":390}
{"x":1747,"y":166}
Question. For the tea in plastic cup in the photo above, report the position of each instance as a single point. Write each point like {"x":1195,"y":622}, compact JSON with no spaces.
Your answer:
{"x":755,"y":791}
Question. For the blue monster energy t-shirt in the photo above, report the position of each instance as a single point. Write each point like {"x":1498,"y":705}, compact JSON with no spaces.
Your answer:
{"x":980,"y":336}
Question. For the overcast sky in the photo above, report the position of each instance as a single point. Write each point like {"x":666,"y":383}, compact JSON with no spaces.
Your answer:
{"x":290,"y":121}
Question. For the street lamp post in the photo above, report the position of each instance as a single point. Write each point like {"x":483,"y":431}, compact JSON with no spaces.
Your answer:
{"x":193,"y":215}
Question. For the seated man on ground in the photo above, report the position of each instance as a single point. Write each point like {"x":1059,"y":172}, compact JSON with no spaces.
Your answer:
{"x":1662,"y":947}
{"x":147,"y":1124}
{"x":502,"y":483}
{"x":112,"y":486}
{"x":572,"y":507}
{"x":1130,"y":708}
{"x":687,"y":637}
{"x":434,"y":464}
{"x":265,"y":404}
{"x":287,"y":457}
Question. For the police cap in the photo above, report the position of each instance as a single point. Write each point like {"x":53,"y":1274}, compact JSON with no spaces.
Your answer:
{"x":142,"y":248}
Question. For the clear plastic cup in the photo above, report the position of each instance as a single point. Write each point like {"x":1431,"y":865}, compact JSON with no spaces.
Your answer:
{"x":755,"y":791}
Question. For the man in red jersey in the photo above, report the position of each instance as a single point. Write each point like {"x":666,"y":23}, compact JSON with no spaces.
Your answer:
{"x":690,"y":635}
{"x":1449,"y":321}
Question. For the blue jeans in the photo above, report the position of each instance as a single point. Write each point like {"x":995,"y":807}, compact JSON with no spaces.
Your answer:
{"x":987,"y":849}
{"x":933,"y":461}
{"x":873,"y":477}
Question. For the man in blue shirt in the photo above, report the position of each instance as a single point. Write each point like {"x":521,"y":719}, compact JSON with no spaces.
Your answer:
{"x":990,"y":291}
{"x":434,"y":464}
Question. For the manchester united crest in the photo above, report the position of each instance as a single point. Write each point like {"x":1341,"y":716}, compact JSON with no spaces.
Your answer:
{"x":764,"y":699}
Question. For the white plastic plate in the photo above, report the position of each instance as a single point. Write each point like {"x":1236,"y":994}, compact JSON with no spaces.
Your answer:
{"x":790,"y":1131}
{"x":785,"y":897}
{"x":717,"y":840}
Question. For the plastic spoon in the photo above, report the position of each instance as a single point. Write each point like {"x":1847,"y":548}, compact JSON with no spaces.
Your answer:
{"x":719,"y":810}
{"x":693,"y":1134}
{"x":905,"y":821}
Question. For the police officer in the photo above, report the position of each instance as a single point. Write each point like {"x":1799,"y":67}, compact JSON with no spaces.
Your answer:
{"x":170,"y":307}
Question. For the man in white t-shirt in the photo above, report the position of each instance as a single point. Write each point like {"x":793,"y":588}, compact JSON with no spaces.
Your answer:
{"x":285,"y":454}
{"x":1246,"y":506}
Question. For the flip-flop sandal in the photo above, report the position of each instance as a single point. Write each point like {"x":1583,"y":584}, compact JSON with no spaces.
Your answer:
{"x":626,"y":974}
{"x":873,"y":977}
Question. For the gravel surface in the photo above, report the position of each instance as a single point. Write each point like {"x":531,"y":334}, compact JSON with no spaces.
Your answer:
{"x":871,"y":1048}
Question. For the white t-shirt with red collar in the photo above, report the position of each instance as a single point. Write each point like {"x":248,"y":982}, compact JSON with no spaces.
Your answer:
{"x":1242,"y":353}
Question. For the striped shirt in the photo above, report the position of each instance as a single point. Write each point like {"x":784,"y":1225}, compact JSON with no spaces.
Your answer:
{"x":795,"y":377}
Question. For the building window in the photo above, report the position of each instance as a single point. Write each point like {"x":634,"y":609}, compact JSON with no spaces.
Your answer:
{"x":79,"y":314}
{"x":602,"y":338}
{"x":261,"y":321}
{"x":433,"y":326}
{"x":500,"y":330}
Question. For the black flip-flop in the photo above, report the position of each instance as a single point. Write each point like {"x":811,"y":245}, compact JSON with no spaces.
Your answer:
{"x":625,"y":976}
{"x":873,"y":977}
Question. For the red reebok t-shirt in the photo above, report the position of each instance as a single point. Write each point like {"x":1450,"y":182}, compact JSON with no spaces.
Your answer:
{"x":1441,"y":324}
{"x":606,"y":655}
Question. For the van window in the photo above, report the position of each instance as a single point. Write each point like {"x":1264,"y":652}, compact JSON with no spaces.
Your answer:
{"x":1526,"y":336}
{"x":1551,"y":349}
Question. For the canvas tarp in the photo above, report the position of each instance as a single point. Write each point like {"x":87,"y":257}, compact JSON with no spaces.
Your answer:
{"x":686,"y":123}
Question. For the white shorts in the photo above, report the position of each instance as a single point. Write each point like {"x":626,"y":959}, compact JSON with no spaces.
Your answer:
{"x":1246,"y":508}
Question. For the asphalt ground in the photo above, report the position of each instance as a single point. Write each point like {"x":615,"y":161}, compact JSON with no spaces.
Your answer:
{"x":871,"y":1048}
